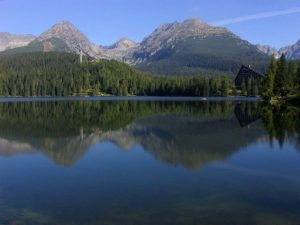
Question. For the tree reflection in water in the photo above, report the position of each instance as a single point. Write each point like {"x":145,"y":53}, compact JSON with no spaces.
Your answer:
{"x":189,"y":134}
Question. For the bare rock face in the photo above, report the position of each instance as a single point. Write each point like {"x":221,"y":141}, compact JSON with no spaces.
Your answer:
{"x":291,"y":52}
{"x":268,"y":50}
{"x":122,"y":50}
{"x":170,"y":33}
{"x":8,"y":40}
{"x":124,"y":44}
{"x":75,"y":40}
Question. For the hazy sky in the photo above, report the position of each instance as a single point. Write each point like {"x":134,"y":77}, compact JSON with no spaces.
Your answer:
{"x":273,"y":22}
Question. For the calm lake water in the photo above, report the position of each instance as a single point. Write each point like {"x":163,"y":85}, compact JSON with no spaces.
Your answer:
{"x":153,"y":162}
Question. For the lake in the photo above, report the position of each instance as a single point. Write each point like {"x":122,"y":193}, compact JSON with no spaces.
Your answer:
{"x":148,"y":161}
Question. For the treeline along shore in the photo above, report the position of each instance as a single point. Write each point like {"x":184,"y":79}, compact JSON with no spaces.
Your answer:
{"x":61,"y":74}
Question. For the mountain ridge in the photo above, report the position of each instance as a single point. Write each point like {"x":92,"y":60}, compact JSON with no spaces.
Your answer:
{"x":192,"y":27}
{"x":194,"y":47}
{"x":191,"y":47}
{"x":269,"y":50}
{"x":292,"y":52}
{"x":10,"y":40}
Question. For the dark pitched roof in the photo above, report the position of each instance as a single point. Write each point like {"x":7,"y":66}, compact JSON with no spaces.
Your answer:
{"x":245,"y":73}
{"x":244,"y":116}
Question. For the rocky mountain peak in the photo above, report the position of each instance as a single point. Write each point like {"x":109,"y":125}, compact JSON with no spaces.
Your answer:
{"x":122,"y":50}
{"x":72,"y":37}
{"x":8,"y":40}
{"x":66,"y":23}
{"x":268,"y":50}
{"x":188,"y":28}
{"x":168,"y":35}
{"x":194,"y":23}
{"x":125,"y":43}
{"x":196,"y":27}
{"x":291,"y":52}
{"x":63,"y":30}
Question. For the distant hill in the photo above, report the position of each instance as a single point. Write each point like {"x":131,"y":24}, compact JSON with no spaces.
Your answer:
{"x":8,"y":40}
{"x":189,"y":48}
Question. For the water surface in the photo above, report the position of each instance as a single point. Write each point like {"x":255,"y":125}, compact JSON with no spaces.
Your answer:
{"x":159,"y":161}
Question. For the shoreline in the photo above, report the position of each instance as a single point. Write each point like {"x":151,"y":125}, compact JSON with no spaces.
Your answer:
{"x":127,"y":98}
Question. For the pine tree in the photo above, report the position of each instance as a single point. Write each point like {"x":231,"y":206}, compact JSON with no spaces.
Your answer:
{"x":290,"y":81}
{"x":268,"y":83}
{"x":96,"y":90}
{"x":280,"y":77}
{"x":206,"y":89}
{"x":297,"y":82}
{"x":225,"y":88}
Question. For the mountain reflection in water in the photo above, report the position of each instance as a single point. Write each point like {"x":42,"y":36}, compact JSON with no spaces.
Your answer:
{"x":189,"y":134}
{"x":149,"y":162}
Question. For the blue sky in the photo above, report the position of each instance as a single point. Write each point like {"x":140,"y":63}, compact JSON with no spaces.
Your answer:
{"x":273,"y":22}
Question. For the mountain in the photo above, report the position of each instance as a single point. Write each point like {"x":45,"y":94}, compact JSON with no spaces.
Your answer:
{"x":74,"y":39}
{"x":124,"y":44}
{"x":291,"y":52}
{"x":268,"y":50}
{"x":189,"y":48}
{"x":8,"y":40}
{"x":62,"y":37}
{"x":195,"y":48}
{"x":122,"y":50}
{"x":169,"y":35}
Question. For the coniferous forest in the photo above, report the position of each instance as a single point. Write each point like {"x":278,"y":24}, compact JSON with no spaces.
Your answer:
{"x":282,"y":80}
{"x":61,"y":74}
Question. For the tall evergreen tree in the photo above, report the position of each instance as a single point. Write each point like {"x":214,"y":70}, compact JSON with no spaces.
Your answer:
{"x":281,"y":77}
{"x":225,"y":88}
{"x":290,"y":81}
{"x":268,"y":83}
{"x":206,"y":87}
{"x":297,"y":82}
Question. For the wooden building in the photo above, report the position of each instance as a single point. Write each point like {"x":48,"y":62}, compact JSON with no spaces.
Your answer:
{"x":245,"y":116}
{"x":246,"y":73}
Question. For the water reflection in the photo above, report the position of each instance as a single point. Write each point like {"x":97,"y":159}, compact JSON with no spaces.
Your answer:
{"x":247,"y":114}
{"x":190,"y":134}
{"x":129,"y":162}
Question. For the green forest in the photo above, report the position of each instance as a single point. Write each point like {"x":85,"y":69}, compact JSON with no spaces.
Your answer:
{"x":61,"y":74}
{"x":282,"y":80}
